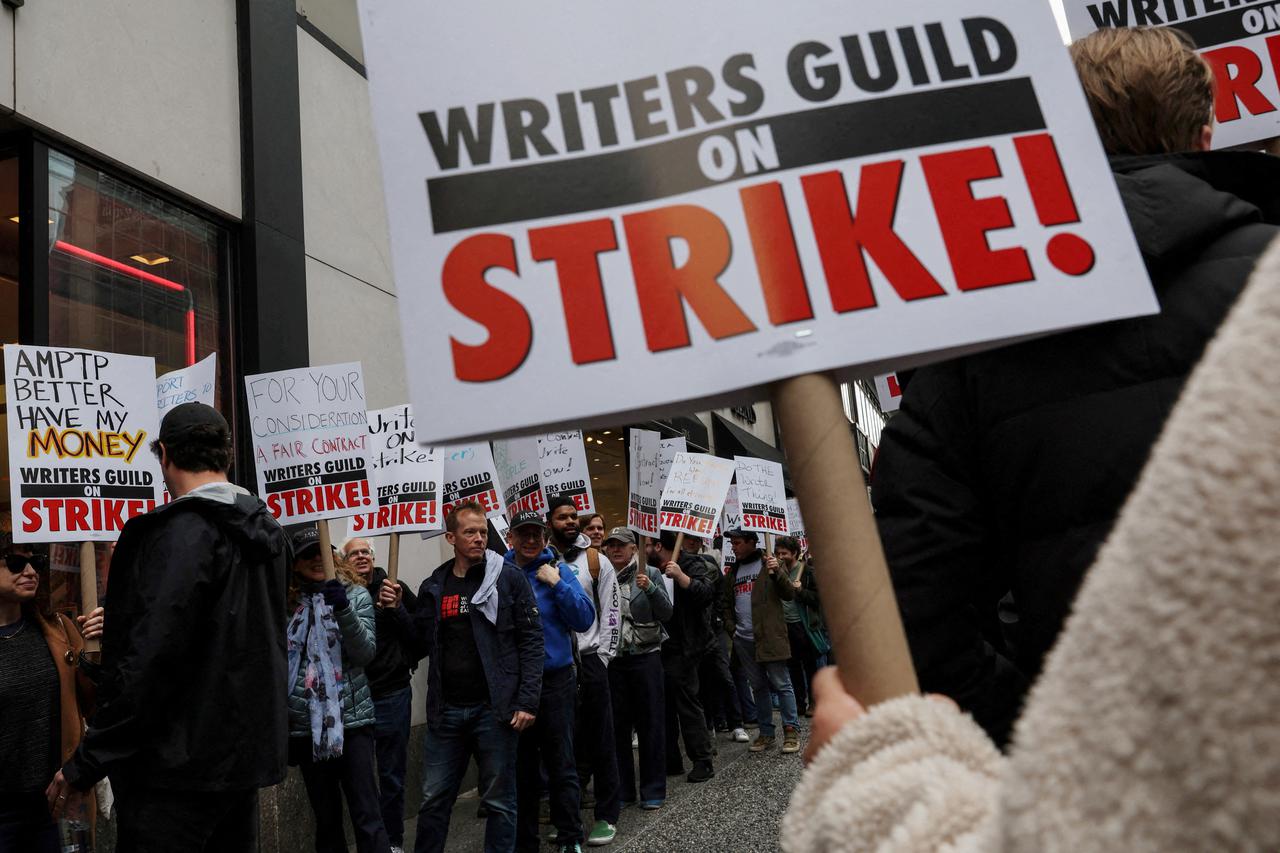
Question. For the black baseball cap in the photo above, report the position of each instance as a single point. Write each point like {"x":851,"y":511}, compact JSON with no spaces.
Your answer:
{"x":739,"y":533}
{"x":528,"y":517}
{"x":187,"y":416}
{"x":302,"y":537}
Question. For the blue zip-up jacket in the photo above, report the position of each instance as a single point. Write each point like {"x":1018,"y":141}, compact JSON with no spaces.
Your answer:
{"x":565,"y":608}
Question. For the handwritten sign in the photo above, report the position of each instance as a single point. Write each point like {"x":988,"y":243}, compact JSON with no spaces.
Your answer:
{"x":311,"y":442}
{"x":694,"y":493}
{"x":406,"y":475}
{"x":727,"y":194}
{"x":795,"y":524}
{"x":669,"y":447}
{"x":645,"y":487}
{"x":564,"y":469}
{"x":80,"y":425}
{"x":518,"y":462}
{"x":470,"y":476}
{"x":730,"y":519}
{"x":888,"y":392}
{"x":194,"y":384}
{"x":762,"y":494}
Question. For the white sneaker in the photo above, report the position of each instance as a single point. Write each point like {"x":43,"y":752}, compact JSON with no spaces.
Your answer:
{"x":635,"y":741}
{"x":740,"y":735}
{"x":397,"y":850}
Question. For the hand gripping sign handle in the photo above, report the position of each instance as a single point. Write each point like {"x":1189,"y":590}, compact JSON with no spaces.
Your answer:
{"x":89,"y":589}
{"x":675,"y":552}
{"x":326,"y":550}
{"x":393,"y":558}
{"x":857,"y":598}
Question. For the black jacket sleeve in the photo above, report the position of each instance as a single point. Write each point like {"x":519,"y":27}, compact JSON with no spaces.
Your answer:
{"x":424,"y":621}
{"x":930,"y":511}
{"x":529,"y":628}
{"x":702,"y":582}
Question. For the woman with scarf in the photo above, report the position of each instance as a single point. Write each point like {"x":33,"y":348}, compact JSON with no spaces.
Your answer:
{"x":44,"y":696}
{"x":331,"y":717}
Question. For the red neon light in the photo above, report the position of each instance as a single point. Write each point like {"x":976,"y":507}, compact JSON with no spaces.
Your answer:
{"x":141,"y":275}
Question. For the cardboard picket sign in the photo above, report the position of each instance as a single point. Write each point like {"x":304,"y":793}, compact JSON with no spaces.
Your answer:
{"x":730,"y":519}
{"x":406,"y":477}
{"x":749,"y":196}
{"x":694,"y":494}
{"x":1239,"y":39}
{"x":518,"y":463}
{"x":762,"y":495}
{"x":563,"y":458}
{"x":311,"y":442}
{"x":888,"y":392}
{"x":644,"y":481}
{"x":194,"y":384}
{"x":470,"y":475}
{"x":80,"y":423}
{"x":795,"y":524}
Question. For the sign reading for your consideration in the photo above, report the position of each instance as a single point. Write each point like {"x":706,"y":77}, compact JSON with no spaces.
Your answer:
{"x":678,"y":216}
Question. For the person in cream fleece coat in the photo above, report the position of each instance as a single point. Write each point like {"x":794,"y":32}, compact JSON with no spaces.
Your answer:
{"x":1155,"y":725}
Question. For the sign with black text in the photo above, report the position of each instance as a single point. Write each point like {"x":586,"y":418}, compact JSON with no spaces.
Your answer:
{"x":694,"y":493}
{"x":518,"y":463}
{"x":564,"y":469}
{"x":470,"y":476}
{"x":194,"y":384}
{"x":644,"y":482}
{"x":762,"y":495}
{"x":406,"y":477}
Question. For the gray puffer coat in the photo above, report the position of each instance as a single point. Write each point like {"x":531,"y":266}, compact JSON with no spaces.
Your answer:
{"x":356,"y":625}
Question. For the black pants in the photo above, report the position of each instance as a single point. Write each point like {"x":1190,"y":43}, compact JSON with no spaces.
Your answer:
{"x":719,"y":694}
{"x":638,"y":703}
{"x":803,"y":664}
{"x":155,"y":820}
{"x":548,"y":744}
{"x":684,"y":710}
{"x":354,"y":774}
{"x":594,"y":740}
{"x":25,"y":824}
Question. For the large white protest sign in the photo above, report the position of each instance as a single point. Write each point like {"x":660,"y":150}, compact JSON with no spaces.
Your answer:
{"x":751,"y":195}
{"x":518,"y":463}
{"x":406,"y":478}
{"x":311,"y":442}
{"x":888,"y":392}
{"x":694,"y":493}
{"x":470,"y":476}
{"x":80,"y":427}
{"x":669,"y":447}
{"x":762,"y":494}
{"x":1240,"y":39}
{"x":564,"y":469}
{"x":795,"y":524}
{"x":194,"y":384}
{"x":644,"y":483}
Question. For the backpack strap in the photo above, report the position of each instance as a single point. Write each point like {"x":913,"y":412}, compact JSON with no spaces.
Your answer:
{"x":593,"y":563}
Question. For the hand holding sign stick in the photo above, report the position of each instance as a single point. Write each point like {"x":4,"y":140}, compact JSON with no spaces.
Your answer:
{"x":89,"y":590}
{"x":326,"y":550}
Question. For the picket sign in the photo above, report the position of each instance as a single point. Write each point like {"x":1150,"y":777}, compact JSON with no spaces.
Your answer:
{"x":196,"y":383}
{"x":888,"y":392}
{"x":563,"y":459}
{"x":470,"y":475}
{"x":1239,"y":39}
{"x":644,"y":482}
{"x":681,"y":218}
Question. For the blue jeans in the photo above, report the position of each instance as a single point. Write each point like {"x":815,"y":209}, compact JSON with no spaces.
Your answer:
{"x":764,"y":676}
{"x":464,"y":731}
{"x":391,"y":743}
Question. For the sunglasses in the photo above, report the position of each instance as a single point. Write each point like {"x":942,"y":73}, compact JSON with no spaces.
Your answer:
{"x":16,"y":563}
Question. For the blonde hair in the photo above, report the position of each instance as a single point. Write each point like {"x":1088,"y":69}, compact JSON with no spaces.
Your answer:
{"x":1148,"y":89}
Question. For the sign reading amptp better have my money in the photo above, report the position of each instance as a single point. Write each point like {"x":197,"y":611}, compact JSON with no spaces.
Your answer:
{"x":677,"y":204}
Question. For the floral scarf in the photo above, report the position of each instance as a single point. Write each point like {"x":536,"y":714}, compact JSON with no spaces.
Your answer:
{"x":314,"y":632}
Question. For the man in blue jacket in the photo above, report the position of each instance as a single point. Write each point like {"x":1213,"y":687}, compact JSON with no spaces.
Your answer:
{"x":565,"y":609}
{"x":478,"y":619}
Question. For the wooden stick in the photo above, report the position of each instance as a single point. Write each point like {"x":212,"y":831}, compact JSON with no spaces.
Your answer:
{"x":326,"y":550}
{"x":675,"y":552}
{"x":857,"y":596}
{"x":393,"y":558}
{"x":89,"y":589}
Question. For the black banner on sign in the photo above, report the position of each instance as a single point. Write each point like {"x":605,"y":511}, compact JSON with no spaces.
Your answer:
{"x":321,"y":480}
{"x":665,"y":169}
{"x":72,"y":491}
{"x":1222,"y":27}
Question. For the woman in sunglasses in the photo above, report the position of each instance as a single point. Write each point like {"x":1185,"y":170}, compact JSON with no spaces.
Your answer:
{"x":44,"y":697}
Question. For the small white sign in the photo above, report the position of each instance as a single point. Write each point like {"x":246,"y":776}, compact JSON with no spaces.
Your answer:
{"x":194,"y":384}
{"x":470,"y":476}
{"x":694,"y":493}
{"x":645,"y":481}
{"x":564,"y":469}
{"x":517,"y":461}
{"x":762,"y":494}
{"x":888,"y":392}
{"x":406,"y":475}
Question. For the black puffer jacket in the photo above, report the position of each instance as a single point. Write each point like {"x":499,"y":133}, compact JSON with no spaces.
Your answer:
{"x":194,"y":677}
{"x":399,"y":646}
{"x":1003,"y":472}
{"x":689,"y":628}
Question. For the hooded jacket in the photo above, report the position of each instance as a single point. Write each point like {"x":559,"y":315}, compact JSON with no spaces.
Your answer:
{"x":1002,"y":472}
{"x":192,"y":695}
{"x":767,"y":621}
{"x":508,"y":636}
{"x":644,"y":610}
{"x":565,"y":609}
{"x":359,"y":643}
{"x":602,"y":637}
{"x":689,"y":628}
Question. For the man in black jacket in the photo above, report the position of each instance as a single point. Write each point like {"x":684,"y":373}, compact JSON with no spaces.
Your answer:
{"x":1003,"y":472}
{"x":479,"y":622}
{"x":191,"y":717}
{"x":399,"y":650}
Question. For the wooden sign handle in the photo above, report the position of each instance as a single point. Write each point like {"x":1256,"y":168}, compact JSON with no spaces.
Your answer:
{"x":857,"y":596}
{"x":675,"y":552}
{"x":393,"y":558}
{"x":326,"y":550}
{"x":89,"y":589}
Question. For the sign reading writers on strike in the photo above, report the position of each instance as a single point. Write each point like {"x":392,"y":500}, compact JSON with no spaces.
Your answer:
{"x":517,"y":461}
{"x":645,"y":484}
{"x":762,"y":495}
{"x":725,"y":194}
{"x":194,"y":384}
{"x":80,"y":427}
{"x":470,"y":477}
{"x":311,"y":442}
{"x":564,"y":469}
{"x":406,"y":476}
{"x":694,"y":493}
{"x":1240,"y":39}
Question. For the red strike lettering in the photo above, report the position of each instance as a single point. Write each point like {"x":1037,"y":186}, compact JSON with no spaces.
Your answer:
{"x":55,"y":515}
{"x":313,"y":499}
{"x":753,"y":520}
{"x":1241,"y":87}
{"x":464,"y":285}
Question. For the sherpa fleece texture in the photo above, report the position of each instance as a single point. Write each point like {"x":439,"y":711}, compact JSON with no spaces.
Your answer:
{"x":1155,"y":725}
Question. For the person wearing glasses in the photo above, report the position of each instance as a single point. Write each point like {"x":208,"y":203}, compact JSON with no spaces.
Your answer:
{"x":44,"y":694}
{"x":398,"y":651}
